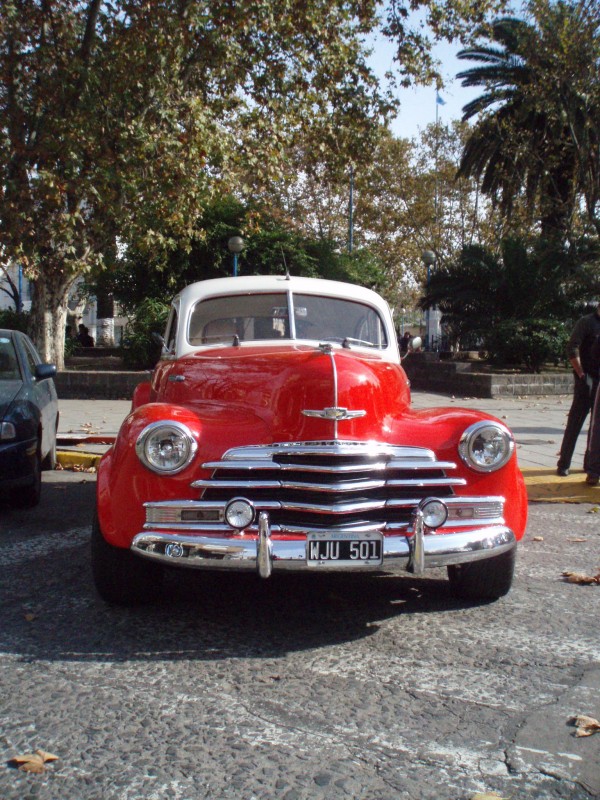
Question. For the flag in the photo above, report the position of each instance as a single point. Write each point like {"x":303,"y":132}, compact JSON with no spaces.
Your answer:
{"x":439,"y":100}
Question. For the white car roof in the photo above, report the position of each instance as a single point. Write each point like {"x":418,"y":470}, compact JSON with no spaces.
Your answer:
{"x":224,"y":287}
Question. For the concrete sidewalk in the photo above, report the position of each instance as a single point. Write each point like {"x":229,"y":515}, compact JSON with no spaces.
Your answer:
{"x":537,"y":424}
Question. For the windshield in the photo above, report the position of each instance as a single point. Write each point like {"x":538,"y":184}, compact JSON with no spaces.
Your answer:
{"x":9,"y":368}
{"x":255,"y":317}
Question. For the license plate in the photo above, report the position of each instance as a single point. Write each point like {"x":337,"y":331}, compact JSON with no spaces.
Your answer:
{"x":334,"y":548}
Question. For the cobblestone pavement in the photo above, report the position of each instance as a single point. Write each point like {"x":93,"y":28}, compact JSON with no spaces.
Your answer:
{"x":307,"y":688}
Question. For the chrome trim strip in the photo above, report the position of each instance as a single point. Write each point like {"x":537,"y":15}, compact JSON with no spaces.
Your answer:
{"x":335,"y":510}
{"x":387,"y":527}
{"x":237,"y":553}
{"x":236,"y":484}
{"x":167,"y":513}
{"x":426,"y":482}
{"x":329,"y":447}
{"x":378,"y":466}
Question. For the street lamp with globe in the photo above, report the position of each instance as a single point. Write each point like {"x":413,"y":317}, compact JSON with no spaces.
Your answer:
{"x":428,"y":257}
{"x":235,"y":245}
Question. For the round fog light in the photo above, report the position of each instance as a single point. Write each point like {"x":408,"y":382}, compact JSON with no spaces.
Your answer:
{"x":435,"y":513}
{"x":239,"y":513}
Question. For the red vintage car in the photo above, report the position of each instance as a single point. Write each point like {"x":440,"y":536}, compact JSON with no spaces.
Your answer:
{"x":277,"y":434}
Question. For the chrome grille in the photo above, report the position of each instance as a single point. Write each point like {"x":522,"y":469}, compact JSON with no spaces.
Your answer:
{"x":311,"y":486}
{"x":316,"y":485}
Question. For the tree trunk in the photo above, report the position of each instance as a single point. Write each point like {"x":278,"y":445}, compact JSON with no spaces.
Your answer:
{"x":105,"y":319}
{"x":49,"y":316}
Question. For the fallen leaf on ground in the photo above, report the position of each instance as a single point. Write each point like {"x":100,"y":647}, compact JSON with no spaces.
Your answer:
{"x":33,"y":762}
{"x":486,"y":796}
{"x":586,"y":726}
{"x":583,"y":580}
{"x":594,"y":510}
{"x":538,"y":538}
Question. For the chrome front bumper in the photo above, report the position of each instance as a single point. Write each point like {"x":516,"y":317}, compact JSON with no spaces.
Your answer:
{"x":415,"y":553}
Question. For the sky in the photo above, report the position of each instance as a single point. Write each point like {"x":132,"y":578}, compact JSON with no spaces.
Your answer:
{"x":418,"y":105}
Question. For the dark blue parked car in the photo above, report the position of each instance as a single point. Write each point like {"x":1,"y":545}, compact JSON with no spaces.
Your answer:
{"x":28,"y":419}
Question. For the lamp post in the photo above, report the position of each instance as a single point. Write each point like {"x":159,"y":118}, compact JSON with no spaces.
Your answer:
{"x":428,"y":257}
{"x":351,"y":211}
{"x":235,"y":245}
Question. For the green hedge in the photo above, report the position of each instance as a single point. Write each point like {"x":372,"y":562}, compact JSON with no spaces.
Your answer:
{"x":529,"y":342}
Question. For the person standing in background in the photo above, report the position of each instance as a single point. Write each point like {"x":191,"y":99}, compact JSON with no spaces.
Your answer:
{"x":579,"y":352}
{"x":592,"y":454}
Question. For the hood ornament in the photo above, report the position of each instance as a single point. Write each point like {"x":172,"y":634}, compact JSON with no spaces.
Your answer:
{"x":334,"y":413}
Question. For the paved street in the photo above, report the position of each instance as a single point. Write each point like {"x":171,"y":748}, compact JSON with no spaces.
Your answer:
{"x":296,"y":688}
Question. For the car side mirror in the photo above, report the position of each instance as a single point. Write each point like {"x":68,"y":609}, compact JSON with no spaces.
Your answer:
{"x":44,"y":371}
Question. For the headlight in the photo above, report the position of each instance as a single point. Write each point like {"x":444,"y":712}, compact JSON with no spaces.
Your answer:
{"x":166,"y":447}
{"x":239,"y":513}
{"x":434,"y":511}
{"x":486,"y":446}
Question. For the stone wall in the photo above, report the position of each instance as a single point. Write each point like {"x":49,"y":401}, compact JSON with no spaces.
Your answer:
{"x":463,"y":378}
{"x":423,"y":369}
{"x":98,"y":384}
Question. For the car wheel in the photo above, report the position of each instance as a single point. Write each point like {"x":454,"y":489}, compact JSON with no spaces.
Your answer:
{"x":483,"y":580}
{"x":30,"y":495}
{"x":122,"y":578}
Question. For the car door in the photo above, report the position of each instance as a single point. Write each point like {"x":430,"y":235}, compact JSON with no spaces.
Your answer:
{"x":43,"y":395}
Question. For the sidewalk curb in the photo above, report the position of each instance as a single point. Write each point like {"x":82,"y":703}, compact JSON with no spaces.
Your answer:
{"x":68,"y":459}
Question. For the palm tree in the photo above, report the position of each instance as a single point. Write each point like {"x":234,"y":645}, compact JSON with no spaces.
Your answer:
{"x":538,"y":129}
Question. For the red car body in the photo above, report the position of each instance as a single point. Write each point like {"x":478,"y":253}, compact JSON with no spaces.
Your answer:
{"x":280,"y":451}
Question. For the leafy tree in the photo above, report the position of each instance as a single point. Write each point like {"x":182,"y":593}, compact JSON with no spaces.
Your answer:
{"x":415,"y":24}
{"x":119,"y":120}
{"x":269,"y":246}
{"x":406,"y":200}
{"x":537,"y":135}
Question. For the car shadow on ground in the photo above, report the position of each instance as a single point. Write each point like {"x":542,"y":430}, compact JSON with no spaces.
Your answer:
{"x":52,"y":612}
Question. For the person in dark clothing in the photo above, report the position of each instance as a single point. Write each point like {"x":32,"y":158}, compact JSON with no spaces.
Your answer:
{"x":579,"y":351}
{"x":84,"y":338}
{"x":405,"y":342}
{"x":592,"y":454}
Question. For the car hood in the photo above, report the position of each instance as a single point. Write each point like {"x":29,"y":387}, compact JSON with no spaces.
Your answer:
{"x":8,"y":391}
{"x":297,"y":391}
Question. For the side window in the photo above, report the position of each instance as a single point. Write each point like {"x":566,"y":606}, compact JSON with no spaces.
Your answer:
{"x":32,"y":359}
{"x":171,"y":332}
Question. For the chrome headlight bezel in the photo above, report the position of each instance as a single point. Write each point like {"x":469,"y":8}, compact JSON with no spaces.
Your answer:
{"x":181,"y":433}
{"x":472,"y":443}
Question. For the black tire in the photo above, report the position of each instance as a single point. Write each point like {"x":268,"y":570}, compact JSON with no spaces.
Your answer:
{"x":122,"y":578}
{"x":483,"y":580}
{"x":29,"y":496}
